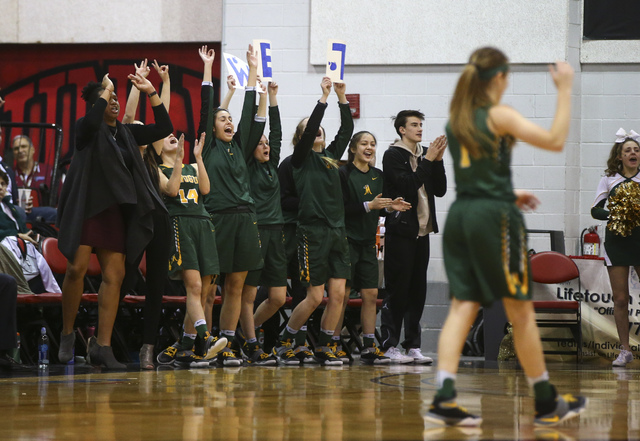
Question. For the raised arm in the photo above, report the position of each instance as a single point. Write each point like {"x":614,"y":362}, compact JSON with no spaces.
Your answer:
{"x":304,"y":146}
{"x":163,"y":72}
{"x":171,"y":186}
{"x":231,"y":88}
{"x":134,"y":94}
{"x":87,"y":126}
{"x":206,"y":97}
{"x":506,"y":120}
{"x":204,"y":185}
{"x":275,"y":126}
{"x":149,"y":133}
{"x":341,"y":141}
{"x":246,"y":133}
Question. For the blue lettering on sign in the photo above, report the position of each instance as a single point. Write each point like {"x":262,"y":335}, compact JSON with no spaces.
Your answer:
{"x":339,"y":47}
{"x":266,"y":60}
{"x":241,"y":73}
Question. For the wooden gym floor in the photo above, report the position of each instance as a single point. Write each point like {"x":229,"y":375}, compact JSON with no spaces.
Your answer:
{"x":304,"y":403}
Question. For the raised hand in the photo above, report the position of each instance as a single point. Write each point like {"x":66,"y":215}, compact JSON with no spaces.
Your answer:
{"x":107,"y":83}
{"x":562,"y":74}
{"x":436,"y":148}
{"x":252,"y":59}
{"x":143,"y":69}
{"x":399,"y":204}
{"x":141,"y":83}
{"x":273,"y":88}
{"x":163,"y":71}
{"x":199,"y":145}
{"x":325,"y":85}
{"x":231,"y":82}
{"x":179,"y":152}
{"x":340,"y":88}
{"x":263,"y":87}
{"x":207,"y":55}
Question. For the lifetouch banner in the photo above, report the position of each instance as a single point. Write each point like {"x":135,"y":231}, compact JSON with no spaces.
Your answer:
{"x":43,"y":82}
{"x":599,"y":334}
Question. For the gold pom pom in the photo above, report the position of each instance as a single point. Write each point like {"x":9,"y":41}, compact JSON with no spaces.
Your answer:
{"x":624,"y":209}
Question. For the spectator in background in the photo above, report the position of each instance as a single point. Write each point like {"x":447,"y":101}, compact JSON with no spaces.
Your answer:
{"x":416,"y":174}
{"x":31,"y":174}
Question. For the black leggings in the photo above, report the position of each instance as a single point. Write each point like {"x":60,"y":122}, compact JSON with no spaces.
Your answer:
{"x":158,"y":254}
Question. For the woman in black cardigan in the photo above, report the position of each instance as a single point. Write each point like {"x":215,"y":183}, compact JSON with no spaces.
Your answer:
{"x":106,"y":207}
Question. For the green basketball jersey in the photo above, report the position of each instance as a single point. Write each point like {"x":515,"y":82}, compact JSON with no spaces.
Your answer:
{"x":359,"y":187}
{"x":488,"y":176}
{"x":188,"y":201}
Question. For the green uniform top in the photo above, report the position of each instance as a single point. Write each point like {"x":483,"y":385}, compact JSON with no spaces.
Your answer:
{"x":317,"y":181}
{"x":488,"y":176}
{"x":226,"y":161}
{"x":359,"y":187}
{"x":265,"y":186}
{"x":187,"y":202}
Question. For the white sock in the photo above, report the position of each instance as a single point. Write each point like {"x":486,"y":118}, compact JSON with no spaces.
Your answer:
{"x":543,"y":377}
{"x":443,"y":375}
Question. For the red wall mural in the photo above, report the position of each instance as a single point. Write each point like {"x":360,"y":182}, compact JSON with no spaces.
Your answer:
{"x":43,"y":83}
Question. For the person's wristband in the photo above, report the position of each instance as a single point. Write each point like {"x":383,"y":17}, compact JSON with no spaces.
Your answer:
{"x":153,"y":94}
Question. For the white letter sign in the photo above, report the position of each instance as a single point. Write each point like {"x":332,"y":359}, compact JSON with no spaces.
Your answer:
{"x":336,"y":50}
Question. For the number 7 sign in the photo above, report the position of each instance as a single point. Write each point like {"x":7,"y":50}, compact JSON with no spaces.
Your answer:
{"x":336,"y":51}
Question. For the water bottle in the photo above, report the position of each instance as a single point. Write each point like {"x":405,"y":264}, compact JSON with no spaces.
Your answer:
{"x":43,"y":349}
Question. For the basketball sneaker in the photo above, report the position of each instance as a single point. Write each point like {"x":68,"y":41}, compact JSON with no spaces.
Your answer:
{"x":446,"y":412}
{"x":304,"y":354}
{"x":624,"y":357}
{"x":282,"y":350}
{"x":373,"y":356}
{"x":168,"y":355}
{"x":558,"y":409}
{"x":229,"y":356}
{"x":189,"y":359}
{"x":257,"y":357}
{"x":326,"y":357}
{"x":213,"y":345}
{"x":340,"y":353}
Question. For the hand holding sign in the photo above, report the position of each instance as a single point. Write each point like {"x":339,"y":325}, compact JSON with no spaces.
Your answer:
{"x":263,"y":52}
{"x":336,"y":51}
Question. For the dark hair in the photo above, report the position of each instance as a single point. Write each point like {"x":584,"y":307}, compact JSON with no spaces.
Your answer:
{"x":151,"y":160}
{"x":353,"y":144}
{"x":300,"y":130}
{"x":471,"y":93}
{"x":4,"y":177}
{"x":91,"y":92}
{"x":614,"y":164}
{"x":400,"y":120}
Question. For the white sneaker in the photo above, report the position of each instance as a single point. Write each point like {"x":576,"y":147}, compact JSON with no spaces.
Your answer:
{"x":624,"y":357}
{"x":417,"y":356}
{"x":396,"y":356}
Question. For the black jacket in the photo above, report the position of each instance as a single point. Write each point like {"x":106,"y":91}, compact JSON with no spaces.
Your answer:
{"x":400,"y":180}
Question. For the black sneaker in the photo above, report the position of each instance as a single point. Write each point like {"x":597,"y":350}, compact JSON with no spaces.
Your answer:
{"x":257,"y":357}
{"x":189,"y":359}
{"x":559,"y":409}
{"x":373,"y":356}
{"x":213,"y":346}
{"x":340,"y":353}
{"x":304,"y":354}
{"x":168,"y":355}
{"x":448,"y":413}
{"x":282,"y":350}
{"x":228,"y":357}
{"x":326,"y":357}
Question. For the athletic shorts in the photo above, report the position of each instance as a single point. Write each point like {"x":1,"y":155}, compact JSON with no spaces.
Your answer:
{"x":323,"y":254}
{"x":274,"y":272}
{"x":238,"y":242}
{"x":485,"y":251}
{"x":195,"y":245}
{"x":291,"y":250}
{"x":364,"y":266}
